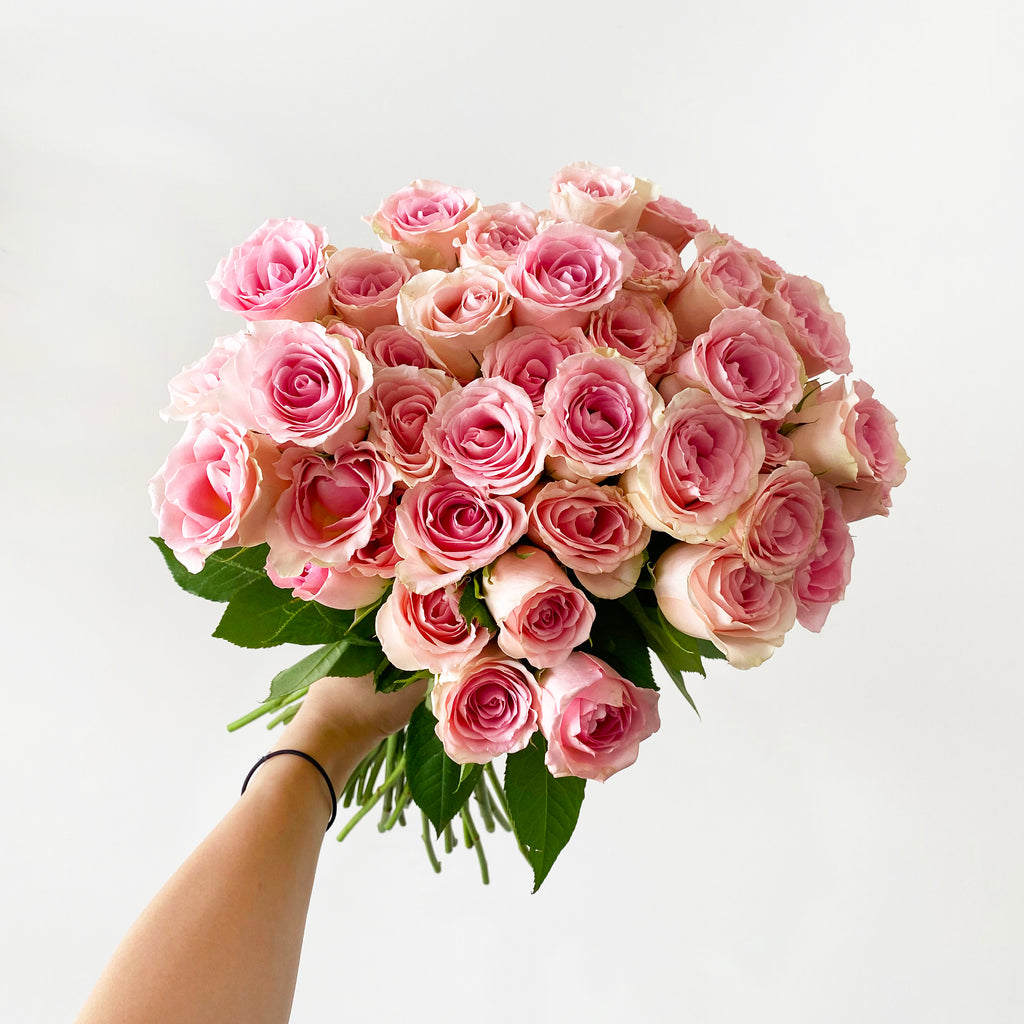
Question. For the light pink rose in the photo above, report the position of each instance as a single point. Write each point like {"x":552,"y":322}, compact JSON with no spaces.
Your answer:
{"x":541,"y":616}
{"x":337,"y":327}
{"x":602,"y":197}
{"x":485,"y":707}
{"x":395,"y":346}
{"x":564,"y":274}
{"x":814,"y":328}
{"x":194,"y":390}
{"x":670,"y":220}
{"x":658,"y":269}
{"x":488,"y":434}
{"x":746,"y":363}
{"x":822,"y":580}
{"x":701,"y":466}
{"x":378,"y":557}
{"x":456,"y":315}
{"x":446,"y":529}
{"x":600,"y":415}
{"x":298,"y":385}
{"x":778,"y":449}
{"x":206,"y":488}
{"x":709,"y":592}
{"x":496,"y":235}
{"x":278,"y":273}
{"x":592,"y":530}
{"x":427,"y":631}
{"x":333,"y":588}
{"x":529,"y":356}
{"x":639,"y":327}
{"x":778,"y":528}
{"x":365,"y":284}
{"x":425,"y":220}
{"x":402,"y":401}
{"x":593,"y":719}
{"x":329,"y":507}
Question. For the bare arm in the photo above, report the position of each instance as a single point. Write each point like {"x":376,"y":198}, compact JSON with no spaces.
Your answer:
{"x":221,"y":941}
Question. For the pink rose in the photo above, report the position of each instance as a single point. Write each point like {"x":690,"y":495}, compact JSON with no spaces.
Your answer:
{"x":529,"y":356}
{"x":593,"y":719}
{"x":403,"y":398}
{"x":778,"y":449}
{"x":427,"y":631}
{"x":395,"y":346}
{"x":701,"y":466}
{"x":601,"y":197}
{"x":592,"y":530}
{"x":378,"y":558}
{"x":194,"y":390}
{"x":365,"y":284}
{"x":638,"y":326}
{"x":333,"y":588}
{"x":541,"y":616}
{"x":564,"y":274}
{"x":446,"y":529}
{"x":670,"y":220}
{"x":746,"y":363}
{"x":488,"y":434}
{"x":424,"y":221}
{"x":337,"y":327}
{"x":485,"y":707}
{"x":815,"y":330}
{"x":709,"y":592}
{"x":329,"y":508}
{"x":822,"y":580}
{"x":456,"y":315}
{"x":206,"y":489}
{"x":658,"y":269}
{"x":278,"y":273}
{"x":778,"y":528}
{"x":496,"y":235}
{"x":298,"y":385}
{"x":600,"y":415}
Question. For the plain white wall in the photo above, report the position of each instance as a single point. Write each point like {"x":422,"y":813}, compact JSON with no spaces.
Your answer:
{"x":839,"y":838}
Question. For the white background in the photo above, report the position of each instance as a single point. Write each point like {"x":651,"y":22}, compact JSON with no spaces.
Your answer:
{"x":839,"y":837}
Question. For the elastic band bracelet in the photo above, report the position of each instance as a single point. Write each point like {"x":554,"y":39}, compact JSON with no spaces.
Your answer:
{"x":314,"y":762}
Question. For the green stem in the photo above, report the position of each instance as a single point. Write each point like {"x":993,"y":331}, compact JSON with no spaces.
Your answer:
{"x":449,"y":838}
{"x":484,"y":802}
{"x":434,"y":862}
{"x":392,"y":819}
{"x":473,"y":839}
{"x":389,"y":764}
{"x":369,"y":780}
{"x":492,"y":778}
{"x":286,"y":716}
{"x":365,"y":809}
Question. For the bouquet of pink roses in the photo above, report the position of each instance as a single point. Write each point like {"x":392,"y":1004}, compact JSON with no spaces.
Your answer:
{"x":515,"y":454}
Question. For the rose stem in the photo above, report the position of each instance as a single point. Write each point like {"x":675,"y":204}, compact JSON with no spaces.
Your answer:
{"x":473,"y":839}
{"x":389,"y":765}
{"x":286,"y":716}
{"x":350,"y":786}
{"x":492,"y":777}
{"x":434,"y":862}
{"x":362,"y":812}
{"x":370,"y":779}
{"x":392,"y":819}
{"x":449,"y":838}
{"x":485,"y":805}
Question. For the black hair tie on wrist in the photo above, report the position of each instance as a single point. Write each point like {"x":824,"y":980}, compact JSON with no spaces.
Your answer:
{"x":314,"y":762}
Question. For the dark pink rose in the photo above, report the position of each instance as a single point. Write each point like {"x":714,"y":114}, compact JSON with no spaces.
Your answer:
{"x":670,"y":220}
{"x":529,"y":357}
{"x":602,"y":197}
{"x":658,"y":269}
{"x":333,"y":588}
{"x":822,"y":580}
{"x":365,"y":284}
{"x":638,"y":326}
{"x":593,"y":719}
{"x":395,"y":346}
{"x":496,"y":235}
{"x":814,"y":328}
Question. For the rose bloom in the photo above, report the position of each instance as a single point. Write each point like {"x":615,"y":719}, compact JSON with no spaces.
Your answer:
{"x":658,"y":269}
{"x":564,"y":274}
{"x":638,"y":326}
{"x":427,"y":631}
{"x":496,"y":235}
{"x":365,"y":284}
{"x":701,"y":466}
{"x":337,"y":327}
{"x":402,"y":400}
{"x":849,"y":439}
{"x":778,"y":528}
{"x":602,"y":197}
{"x":206,"y":491}
{"x":298,"y":385}
{"x":709,"y":592}
{"x":278,"y":273}
{"x":822,"y":580}
{"x":425,"y":220}
{"x":334,"y":588}
{"x":488,"y":434}
{"x":593,"y":719}
{"x":778,"y":449}
{"x":394,"y":346}
{"x":529,"y":356}
{"x":377,"y":558}
{"x":456,"y":315}
{"x":485,"y":707}
{"x":541,"y":616}
{"x":592,"y":530}
{"x":746,"y":363}
{"x":669,"y":219}
{"x":329,"y":507}
{"x":194,"y":390}
{"x":600,"y":415}
{"x":814,"y":328}
{"x":446,"y":529}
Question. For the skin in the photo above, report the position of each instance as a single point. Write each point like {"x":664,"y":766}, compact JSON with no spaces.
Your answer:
{"x":221,"y":940}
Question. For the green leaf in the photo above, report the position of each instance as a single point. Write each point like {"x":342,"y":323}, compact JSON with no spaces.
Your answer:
{"x":223,"y":575}
{"x":338,"y":659}
{"x":544,"y":810}
{"x":436,"y":782}
{"x":472,"y":606}
{"x":262,"y":615}
{"x":709,"y":650}
{"x":388,"y":679}
{"x":678,"y":649}
{"x":618,"y":640}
